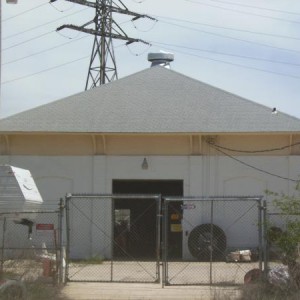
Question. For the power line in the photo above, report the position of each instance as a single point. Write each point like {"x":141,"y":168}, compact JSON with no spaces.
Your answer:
{"x":258,"y":7}
{"x":59,"y":9}
{"x":229,"y":28}
{"x":201,"y":57}
{"x":252,"y":167}
{"x":24,"y":12}
{"x":229,"y":54}
{"x":39,"y":26}
{"x":189,"y":28}
{"x":229,"y":37}
{"x":165,"y":44}
{"x":236,"y":65}
{"x":49,"y":69}
{"x":43,"y":51}
{"x":167,"y":18}
{"x":45,"y":70}
{"x":220,"y":53}
{"x":244,"y":12}
{"x":34,"y":38}
{"x":51,"y":48}
{"x":185,"y":27}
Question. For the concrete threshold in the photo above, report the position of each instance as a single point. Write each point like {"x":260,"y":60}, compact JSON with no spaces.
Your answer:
{"x":125,"y":291}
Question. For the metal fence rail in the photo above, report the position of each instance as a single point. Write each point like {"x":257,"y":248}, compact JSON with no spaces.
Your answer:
{"x":113,"y":238}
{"x":222,"y":239}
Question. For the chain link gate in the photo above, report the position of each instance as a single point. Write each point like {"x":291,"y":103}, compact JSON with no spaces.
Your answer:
{"x":113,"y":238}
{"x":205,"y":241}
{"x":222,"y":239}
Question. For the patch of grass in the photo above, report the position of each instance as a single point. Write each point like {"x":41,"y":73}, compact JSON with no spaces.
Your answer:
{"x":264,"y":291}
{"x":9,"y":275}
{"x":225,"y":294}
{"x":34,"y":291}
{"x":42,"y":291}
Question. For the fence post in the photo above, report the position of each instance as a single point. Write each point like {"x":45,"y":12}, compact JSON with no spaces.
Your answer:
{"x":165,"y":243}
{"x":211,"y":240}
{"x":112,"y":239}
{"x":60,"y":232}
{"x":67,"y":206}
{"x":260,"y":233}
{"x":266,"y":248}
{"x":2,"y":247}
{"x":158,"y":238}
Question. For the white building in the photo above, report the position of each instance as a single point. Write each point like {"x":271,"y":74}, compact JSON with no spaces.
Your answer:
{"x":96,"y":142}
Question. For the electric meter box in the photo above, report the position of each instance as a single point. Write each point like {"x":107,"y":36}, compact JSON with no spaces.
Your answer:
{"x":18,"y":192}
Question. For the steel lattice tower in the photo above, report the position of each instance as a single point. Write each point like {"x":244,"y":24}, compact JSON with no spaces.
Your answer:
{"x":102,"y":67}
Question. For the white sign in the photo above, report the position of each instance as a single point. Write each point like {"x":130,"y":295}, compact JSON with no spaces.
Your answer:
{"x":188,"y":206}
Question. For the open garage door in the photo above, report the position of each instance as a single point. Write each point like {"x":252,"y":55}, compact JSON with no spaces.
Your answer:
{"x":141,"y":216}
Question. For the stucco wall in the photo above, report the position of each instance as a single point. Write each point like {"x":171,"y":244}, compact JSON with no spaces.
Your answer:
{"x":202,"y":176}
{"x":159,"y":144}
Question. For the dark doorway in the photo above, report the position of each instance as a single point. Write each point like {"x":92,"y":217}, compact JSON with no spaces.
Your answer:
{"x":136,"y":218}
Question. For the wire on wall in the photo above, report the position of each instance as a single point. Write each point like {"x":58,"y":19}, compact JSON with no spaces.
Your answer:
{"x":253,"y":151}
{"x":251,"y":166}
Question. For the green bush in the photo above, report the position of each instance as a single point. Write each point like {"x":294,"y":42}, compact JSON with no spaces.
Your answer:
{"x":287,"y":241}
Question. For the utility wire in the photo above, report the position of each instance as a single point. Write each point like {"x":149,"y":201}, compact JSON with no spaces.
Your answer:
{"x":49,"y":49}
{"x":253,"y":151}
{"x":43,"y":51}
{"x":167,"y":18}
{"x":49,"y":69}
{"x":164,"y":44}
{"x":172,"y":45}
{"x":39,"y":26}
{"x":185,"y":27}
{"x":24,"y":12}
{"x":45,"y":70}
{"x":224,"y":36}
{"x":230,"y":54}
{"x":258,"y":7}
{"x":34,"y":38}
{"x":228,"y":28}
{"x":235,"y":64}
{"x":277,"y":73}
{"x":252,"y":167}
{"x":229,"y":37}
{"x":201,"y":57}
{"x":243,"y":12}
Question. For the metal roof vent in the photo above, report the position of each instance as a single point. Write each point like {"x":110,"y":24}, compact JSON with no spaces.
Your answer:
{"x":162,"y":59}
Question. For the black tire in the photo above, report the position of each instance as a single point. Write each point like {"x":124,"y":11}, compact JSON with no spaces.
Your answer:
{"x":207,"y":241}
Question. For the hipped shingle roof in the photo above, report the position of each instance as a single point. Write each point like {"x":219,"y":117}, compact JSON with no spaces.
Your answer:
{"x":156,"y":100}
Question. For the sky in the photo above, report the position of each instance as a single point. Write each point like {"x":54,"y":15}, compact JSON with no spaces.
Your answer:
{"x":251,"y":49}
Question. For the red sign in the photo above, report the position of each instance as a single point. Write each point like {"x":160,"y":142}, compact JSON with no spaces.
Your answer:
{"x":44,"y":226}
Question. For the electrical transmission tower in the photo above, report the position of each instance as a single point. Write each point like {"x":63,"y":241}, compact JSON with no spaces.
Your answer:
{"x":102,"y":67}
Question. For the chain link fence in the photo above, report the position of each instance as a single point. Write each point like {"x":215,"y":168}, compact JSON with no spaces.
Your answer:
{"x":123,"y":238}
{"x":113,"y":238}
{"x":222,"y":239}
{"x":30,"y":250}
